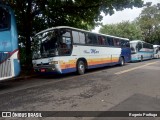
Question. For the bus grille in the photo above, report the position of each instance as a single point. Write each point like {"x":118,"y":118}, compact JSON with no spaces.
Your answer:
{"x":5,"y":69}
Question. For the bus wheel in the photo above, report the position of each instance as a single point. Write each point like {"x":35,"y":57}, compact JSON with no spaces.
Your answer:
{"x":121,"y":61}
{"x":141,"y":58}
{"x":80,"y":67}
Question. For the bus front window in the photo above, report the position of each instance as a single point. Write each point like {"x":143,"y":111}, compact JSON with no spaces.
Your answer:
{"x":155,"y":50}
{"x":4,"y":18}
{"x":133,"y":48}
{"x":65,"y":45}
{"x":47,"y":45}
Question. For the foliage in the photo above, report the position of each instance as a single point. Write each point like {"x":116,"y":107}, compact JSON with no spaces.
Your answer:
{"x":36,"y":15}
{"x":124,"y":29}
{"x":149,"y":22}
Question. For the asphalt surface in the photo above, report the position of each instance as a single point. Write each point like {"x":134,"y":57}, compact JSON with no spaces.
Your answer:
{"x":133,"y":87}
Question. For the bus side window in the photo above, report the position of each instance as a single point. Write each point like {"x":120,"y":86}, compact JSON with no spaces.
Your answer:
{"x":106,"y":41}
{"x":78,"y":37}
{"x":123,"y":43}
{"x":101,"y":40}
{"x":82,"y":37}
{"x":110,"y":41}
{"x":66,"y":43}
{"x":139,"y":46}
{"x":4,"y":19}
{"x":75,"y":36}
{"x":127,"y":44}
{"x":116,"y":42}
{"x":91,"y":39}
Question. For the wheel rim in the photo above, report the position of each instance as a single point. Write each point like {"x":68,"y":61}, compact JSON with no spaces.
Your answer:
{"x":141,"y":58}
{"x":122,"y":62}
{"x":81,"y":67}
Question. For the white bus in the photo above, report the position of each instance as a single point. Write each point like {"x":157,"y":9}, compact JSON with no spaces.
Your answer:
{"x":66,"y":49}
{"x":141,"y":50}
{"x":156,"y":51}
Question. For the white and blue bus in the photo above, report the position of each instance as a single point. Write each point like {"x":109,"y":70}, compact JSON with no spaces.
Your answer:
{"x":141,"y":50}
{"x":9,"y":62}
{"x":66,"y":49}
{"x":156,"y":51}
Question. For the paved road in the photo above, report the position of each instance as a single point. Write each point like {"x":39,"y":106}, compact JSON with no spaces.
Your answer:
{"x":133,"y":87}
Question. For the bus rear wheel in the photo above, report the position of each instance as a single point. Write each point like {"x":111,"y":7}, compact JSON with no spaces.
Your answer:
{"x":141,"y":58}
{"x":121,"y":61}
{"x":80,"y":67}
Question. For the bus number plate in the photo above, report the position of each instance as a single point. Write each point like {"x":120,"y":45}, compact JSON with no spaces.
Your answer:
{"x":43,"y":70}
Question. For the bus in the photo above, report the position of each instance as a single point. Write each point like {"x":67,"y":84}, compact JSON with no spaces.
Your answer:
{"x":141,"y":50}
{"x":9,"y":60}
{"x":65,"y":49}
{"x":156,"y":51}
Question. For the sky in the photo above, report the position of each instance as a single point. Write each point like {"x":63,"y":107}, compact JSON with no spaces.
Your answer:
{"x":126,"y":14}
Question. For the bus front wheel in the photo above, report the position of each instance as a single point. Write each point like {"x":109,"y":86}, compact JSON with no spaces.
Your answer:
{"x":80,"y":67}
{"x":121,"y":61}
{"x":141,"y":58}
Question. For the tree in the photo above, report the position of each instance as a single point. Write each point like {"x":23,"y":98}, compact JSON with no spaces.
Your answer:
{"x":35,"y":15}
{"x":124,"y":29}
{"x":149,"y":22}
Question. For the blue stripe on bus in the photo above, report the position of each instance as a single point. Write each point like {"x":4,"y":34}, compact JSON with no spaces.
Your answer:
{"x":102,"y":65}
{"x":68,"y":70}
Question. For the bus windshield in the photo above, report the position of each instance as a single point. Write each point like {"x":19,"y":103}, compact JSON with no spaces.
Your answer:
{"x":133,"y":47}
{"x":4,"y":18}
{"x":52,"y":44}
{"x":47,"y":45}
{"x":156,"y":49}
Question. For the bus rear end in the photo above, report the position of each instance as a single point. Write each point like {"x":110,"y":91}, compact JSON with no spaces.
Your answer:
{"x":9,"y":53}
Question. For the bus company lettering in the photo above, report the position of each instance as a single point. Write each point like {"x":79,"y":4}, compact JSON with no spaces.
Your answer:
{"x":94,"y":51}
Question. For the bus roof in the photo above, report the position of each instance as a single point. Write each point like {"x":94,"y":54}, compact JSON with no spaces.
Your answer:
{"x":59,"y":27}
{"x":156,"y":45}
{"x":135,"y":41}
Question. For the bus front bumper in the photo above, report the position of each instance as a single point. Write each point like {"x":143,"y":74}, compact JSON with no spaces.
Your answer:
{"x":46,"y":69}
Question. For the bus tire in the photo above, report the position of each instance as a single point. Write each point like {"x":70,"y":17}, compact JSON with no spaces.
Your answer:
{"x":81,"y":67}
{"x":122,"y":62}
{"x":141,"y":58}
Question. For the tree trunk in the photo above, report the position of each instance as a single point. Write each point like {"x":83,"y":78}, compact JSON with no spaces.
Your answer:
{"x":28,"y":29}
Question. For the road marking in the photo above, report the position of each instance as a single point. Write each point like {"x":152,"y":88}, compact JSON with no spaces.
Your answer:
{"x":124,"y":71}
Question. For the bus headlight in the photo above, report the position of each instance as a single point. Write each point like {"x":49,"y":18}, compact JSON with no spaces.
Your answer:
{"x":54,"y":62}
